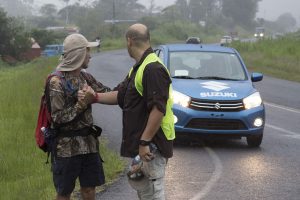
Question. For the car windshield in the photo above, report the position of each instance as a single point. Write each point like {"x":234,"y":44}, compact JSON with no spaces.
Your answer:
{"x":206,"y":65}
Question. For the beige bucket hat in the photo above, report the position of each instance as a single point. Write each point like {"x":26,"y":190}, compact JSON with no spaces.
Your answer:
{"x":74,"y":52}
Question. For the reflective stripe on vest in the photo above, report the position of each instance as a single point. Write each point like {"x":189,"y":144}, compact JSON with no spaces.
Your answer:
{"x":167,"y":124}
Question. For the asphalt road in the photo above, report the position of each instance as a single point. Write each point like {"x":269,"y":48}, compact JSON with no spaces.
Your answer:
{"x":222,"y":169}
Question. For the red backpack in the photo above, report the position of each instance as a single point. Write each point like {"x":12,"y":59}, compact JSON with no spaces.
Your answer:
{"x":44,"y":117}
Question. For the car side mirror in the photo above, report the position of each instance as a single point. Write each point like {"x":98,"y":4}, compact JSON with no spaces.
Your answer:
{"x":157,"y":51}
{"x":255,"y":77}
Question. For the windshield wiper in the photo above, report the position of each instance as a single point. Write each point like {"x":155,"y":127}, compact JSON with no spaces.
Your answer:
{"x":183,"y":77}
{"x":216,"y":78}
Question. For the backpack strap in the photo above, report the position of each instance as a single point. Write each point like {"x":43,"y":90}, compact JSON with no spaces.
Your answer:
{"x":60,"y":75}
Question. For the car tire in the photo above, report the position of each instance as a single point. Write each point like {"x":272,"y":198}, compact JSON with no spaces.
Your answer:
{"x":254,"y":140}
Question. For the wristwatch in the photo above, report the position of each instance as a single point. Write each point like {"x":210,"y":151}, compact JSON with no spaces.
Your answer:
{"x":144,"y":143}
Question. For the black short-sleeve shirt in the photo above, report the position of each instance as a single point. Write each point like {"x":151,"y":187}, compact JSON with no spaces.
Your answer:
{"x":136,"y":108}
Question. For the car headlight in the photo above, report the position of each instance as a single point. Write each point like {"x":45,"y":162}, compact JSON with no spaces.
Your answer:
{"x":261,"y":35}
{"x":252,"y":101}
{"x":181,"y":99}
{"x":255,"y":35}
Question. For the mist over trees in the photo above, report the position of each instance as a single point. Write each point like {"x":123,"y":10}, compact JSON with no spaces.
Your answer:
{"x":90,"y":18}
{"x":109,"y":19}
{"x":17,"y":7}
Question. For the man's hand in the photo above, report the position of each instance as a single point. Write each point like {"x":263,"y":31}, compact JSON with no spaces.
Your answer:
{"x":145,"y":154}
{"x":87,"y":94}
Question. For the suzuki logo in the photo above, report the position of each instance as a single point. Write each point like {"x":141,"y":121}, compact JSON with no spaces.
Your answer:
{"x":216,"y":86}
{"x":217,"y":106}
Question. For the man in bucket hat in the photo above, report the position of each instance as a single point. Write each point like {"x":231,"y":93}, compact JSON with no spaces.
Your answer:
{"x":76,"y":153}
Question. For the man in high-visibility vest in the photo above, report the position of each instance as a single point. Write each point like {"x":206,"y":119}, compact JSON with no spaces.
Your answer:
{"x":148,"y":121}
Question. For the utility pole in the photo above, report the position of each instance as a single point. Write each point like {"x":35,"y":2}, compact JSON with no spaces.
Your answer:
{"x":67,"y":11}
{"x":114,"y":18}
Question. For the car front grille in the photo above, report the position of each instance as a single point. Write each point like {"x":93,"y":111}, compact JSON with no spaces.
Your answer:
{"x":223,"y":106}
{"x":216,"y":124}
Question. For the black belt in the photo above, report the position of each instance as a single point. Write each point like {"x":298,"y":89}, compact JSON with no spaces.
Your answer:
{"x":72,"y":133}
{"x":94,"y":130}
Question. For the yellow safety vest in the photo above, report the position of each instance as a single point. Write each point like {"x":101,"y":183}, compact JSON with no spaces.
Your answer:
{"x":167,"y":124}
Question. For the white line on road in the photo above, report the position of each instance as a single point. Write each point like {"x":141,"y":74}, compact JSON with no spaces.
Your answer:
{"x":217,"y":162}
{"x":214,"y":178}
{"x":282,"y":107}
{"x":290,"y":133}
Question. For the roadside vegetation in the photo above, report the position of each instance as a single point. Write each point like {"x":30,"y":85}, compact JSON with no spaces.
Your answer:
{"x":274,"y":57}
{"x":24,"y":174}
{"x":278,"y":57}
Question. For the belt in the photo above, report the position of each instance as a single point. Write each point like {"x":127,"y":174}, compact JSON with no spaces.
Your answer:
{"x":72,"y":133}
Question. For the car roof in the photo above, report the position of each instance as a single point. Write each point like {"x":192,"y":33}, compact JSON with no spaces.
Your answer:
{"x":54,"y":45}
{"x":198,"y":47}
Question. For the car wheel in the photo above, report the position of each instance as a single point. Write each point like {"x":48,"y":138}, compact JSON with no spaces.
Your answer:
{"x":254,"y":140}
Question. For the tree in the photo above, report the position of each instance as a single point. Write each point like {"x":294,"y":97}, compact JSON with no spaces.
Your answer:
{"x":171,"y":13}
{"x":120,"y":9}
{"x":14,"y":39}
{"x":197,"y":10}
{"x":286,"y":22}
{"x":20,"y":39}
{"x":242,"y":12}
{"x":67,"y":10}
{"x":17,"y":7}
{"x":183,"y":8}
{"x":48,"y":10}
{"x":4,"y":34}
{"x":44,"y":37}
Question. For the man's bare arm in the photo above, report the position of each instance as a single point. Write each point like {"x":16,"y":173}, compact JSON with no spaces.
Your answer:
{"x":109,"y":98}
{"x":152,"y":127}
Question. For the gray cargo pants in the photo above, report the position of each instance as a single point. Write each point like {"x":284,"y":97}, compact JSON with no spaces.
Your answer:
{"x":151,"y":187}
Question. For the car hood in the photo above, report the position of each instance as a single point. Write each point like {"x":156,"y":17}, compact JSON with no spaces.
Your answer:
{"x":214,"y":89}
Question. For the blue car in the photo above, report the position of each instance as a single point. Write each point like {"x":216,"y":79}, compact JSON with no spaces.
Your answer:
{"x":53,"y":50}
{"x":213,"y":92}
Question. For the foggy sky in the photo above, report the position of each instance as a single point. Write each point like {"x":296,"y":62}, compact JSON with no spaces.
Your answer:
{"x":271,"y":9}
{"x":268,"y":9}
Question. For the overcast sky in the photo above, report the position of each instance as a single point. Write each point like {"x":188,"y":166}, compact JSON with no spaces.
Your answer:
{"x":268,"y":9}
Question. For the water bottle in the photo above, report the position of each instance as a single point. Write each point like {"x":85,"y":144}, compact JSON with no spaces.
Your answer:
{"x":49,"y":135}
{"x":135,"y":172}
{"x":45,"y":132}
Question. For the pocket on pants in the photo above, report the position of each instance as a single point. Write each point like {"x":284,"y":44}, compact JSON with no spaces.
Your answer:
{"x":155,"y":168}
{"x":158,"y":189}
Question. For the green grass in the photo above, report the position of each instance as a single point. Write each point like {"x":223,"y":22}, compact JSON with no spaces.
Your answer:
{"x":278,"y":58}
{"x":23,"y":174}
